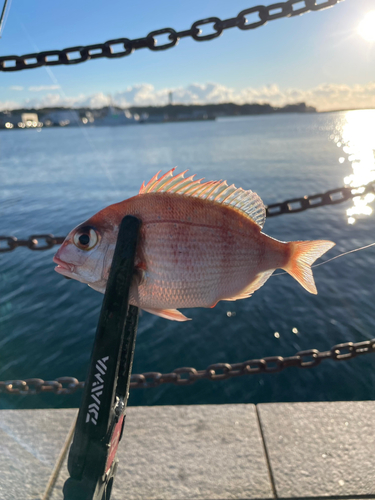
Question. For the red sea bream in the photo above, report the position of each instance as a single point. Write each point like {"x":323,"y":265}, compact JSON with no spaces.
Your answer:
{"x":199,"y":243}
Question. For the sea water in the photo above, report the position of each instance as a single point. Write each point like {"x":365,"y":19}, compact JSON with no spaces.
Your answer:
{"x":53,"y":179}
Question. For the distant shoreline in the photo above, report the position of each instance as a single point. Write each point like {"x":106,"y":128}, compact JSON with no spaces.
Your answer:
{"x":228,"y":108}
{"x":172,"y":113}
{"x":236,"y":109}
{"x":115,"y":116}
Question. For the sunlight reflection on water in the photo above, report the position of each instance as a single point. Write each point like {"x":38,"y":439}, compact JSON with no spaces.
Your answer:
{"x":356,"y":136}
{"x":51,"y":181}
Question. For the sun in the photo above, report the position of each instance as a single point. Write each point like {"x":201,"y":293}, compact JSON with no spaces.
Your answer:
{"x":366,"y":27}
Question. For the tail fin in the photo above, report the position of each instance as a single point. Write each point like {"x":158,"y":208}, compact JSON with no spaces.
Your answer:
{"x":302,"y":255}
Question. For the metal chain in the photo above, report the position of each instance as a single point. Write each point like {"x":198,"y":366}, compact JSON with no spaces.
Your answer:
{"x":187,"y":375}
{"x":332,"y":197}
{"x":32,"y":243}
{"x":82,"y":53}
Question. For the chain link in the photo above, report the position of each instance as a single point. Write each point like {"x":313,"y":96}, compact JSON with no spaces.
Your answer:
{"x":332,"y":197}
{"x":32,"y":386}
{"x":188,"y":375}
{"x":10,"y":243}
{"x":82,"y":53}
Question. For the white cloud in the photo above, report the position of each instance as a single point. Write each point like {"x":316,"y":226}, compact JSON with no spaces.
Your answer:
{"x":15,"y":87}
{"x":54,"y":100}
{"x":6,"y":105}
{"x":323,"y":97}
{"x":40,"y":88}
{"x":98,"y":100}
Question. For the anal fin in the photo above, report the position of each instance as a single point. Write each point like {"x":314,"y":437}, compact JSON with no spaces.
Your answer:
{"x":259,"y":281}
{"x":171,"y":314}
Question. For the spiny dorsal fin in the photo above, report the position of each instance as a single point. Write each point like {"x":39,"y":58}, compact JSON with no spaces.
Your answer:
{"x":246,"y":202}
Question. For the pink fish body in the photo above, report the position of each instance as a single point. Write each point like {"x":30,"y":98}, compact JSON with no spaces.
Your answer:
{"x":199,"y":243}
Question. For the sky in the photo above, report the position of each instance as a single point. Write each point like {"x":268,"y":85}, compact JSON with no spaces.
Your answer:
{"x":318,"y":57}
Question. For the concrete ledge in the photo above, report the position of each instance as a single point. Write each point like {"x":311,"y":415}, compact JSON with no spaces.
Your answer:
{"x":30,"y":443}
{"x":214,"y":452}
{"x":319,"y":450}
{"x":190,"y":452}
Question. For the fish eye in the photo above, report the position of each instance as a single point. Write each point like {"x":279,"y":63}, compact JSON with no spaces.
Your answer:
{"x":85,"y":238}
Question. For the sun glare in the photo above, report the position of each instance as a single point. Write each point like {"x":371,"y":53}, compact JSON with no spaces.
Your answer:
{"x":367,"y":27}
{"x":356,"y":138}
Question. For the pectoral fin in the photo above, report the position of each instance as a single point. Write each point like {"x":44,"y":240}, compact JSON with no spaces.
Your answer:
{"x":171,"y":314}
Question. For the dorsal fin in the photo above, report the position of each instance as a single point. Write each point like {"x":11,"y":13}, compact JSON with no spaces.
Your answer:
{"x":246,"y":202}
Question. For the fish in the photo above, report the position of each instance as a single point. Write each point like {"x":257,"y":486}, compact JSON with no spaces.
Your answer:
{"x":199,"y":243}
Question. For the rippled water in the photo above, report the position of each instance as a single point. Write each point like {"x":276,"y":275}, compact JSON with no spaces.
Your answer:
{"x":53,"y":179}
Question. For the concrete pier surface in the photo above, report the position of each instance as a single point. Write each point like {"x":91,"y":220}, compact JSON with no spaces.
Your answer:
{"x":211,"y":452}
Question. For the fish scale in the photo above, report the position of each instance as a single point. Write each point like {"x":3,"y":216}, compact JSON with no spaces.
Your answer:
{"x":216,"y":259}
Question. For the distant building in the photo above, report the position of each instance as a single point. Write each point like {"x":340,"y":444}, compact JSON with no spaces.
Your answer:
{"x":88,"y":118}
{"x":194,"y":115}
{"x":8,"y":117}
{"x":62,"y":118}
{"x":18,"y":120}
{"x":29,"y":118}
{"x":116,"y":116}
{"x":5,"y":116}
{"x":160,"y":118}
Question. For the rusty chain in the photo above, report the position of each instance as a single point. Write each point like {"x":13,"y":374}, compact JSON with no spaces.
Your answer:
{"x":187,"y":375}
{"x":82,"y":53}
{"x":32,"y":243}
{"x":332,"y":197}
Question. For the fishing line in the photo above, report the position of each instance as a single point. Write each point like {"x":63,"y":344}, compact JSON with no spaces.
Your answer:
{"x":333,"y":258}
{"x":4,"y":15}
{"x":342,"y":254}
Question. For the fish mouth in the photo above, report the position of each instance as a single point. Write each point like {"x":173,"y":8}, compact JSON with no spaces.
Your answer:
{"x":63,"y":267}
